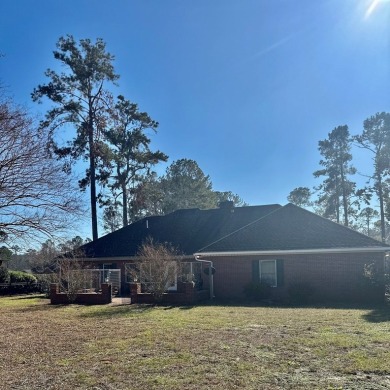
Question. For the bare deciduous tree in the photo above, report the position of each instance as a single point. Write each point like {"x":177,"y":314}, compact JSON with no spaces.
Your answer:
{"x":36,"y":196}
{"x":73,"y":275}
{"x":159,"y":267}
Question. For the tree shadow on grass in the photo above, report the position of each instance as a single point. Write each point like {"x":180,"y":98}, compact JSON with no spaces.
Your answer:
{"x":25,"y":297}
{"x":108,"y":311}
{"x":186,"y":307}
{"x":180,"y":307}
{"x":379,"y":310}
{"x":99,"y":311}
{"x":378,"y":314}
{"x":41,"y":307}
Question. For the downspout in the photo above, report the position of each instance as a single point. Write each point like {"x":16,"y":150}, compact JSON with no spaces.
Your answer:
{"x":211,"y":276}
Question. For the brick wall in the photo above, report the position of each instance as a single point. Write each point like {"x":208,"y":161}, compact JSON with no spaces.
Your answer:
{"x":335,"y":277}
{"x":103,"y":298}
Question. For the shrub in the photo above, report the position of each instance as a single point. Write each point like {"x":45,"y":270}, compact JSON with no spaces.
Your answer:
{"x":372,"y":276}
{"x":27,"y":282}
{"x":372,"y":283}
{"x":71,"y":277}
{"x":300,"y":293}
{"x":21,"y":277}
{"x":159,"y":267}
{"x":4,"y":275}
{"x":45,"y":280}
{"x":257,"y":291}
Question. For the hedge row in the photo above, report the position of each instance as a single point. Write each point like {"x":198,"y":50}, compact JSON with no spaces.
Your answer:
{"x":17,"y":282}
{"x":9,"y":276}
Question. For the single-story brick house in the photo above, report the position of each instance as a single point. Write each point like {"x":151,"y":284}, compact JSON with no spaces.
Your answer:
{"x":291,"y":249}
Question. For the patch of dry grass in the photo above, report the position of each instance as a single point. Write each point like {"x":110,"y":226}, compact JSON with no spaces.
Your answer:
{"x":203,"y":347}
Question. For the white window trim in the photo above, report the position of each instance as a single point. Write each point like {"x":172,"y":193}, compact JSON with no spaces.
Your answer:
{"x":276,"y":270}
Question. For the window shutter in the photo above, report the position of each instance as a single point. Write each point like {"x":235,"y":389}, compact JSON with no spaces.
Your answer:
{"x":255,"y":271}
{"x":280,"y":272}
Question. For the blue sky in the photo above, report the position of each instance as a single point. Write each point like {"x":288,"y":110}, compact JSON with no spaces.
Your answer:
{"x":246,"y":88}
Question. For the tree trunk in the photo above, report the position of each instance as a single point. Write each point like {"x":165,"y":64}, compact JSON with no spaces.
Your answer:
{"x":344,"y":194}
{"x":93,"y":181}
{"x":382,"y":208}
{"x":337,"y":199}
{"x":124,"y":205}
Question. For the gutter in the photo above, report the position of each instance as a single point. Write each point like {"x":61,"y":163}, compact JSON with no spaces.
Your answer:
{"x":122,"y":258}
{"x":279,"y":252}
{"x":211,"y":276}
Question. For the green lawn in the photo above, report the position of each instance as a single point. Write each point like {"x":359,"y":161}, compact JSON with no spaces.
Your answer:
{"x":202,"y":347}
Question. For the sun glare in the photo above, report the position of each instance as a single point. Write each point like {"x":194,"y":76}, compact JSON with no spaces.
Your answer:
{"x":373,"y":6}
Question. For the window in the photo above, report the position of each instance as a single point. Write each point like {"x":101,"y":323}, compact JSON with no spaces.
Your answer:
{"x":132,"y":272}
{"x":267,"y":272}
{"x":150,"y":274}
{"x":106,"y":272}
{"x":171,"y":269}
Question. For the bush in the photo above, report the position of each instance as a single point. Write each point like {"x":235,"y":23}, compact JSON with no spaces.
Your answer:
{"x":4,"y":275}
{"x":372,"y":276}
{"x":45,"y":280}
{"x":159,"y":268}
{"x":300,"y":293}
{"x":257,"y":291}
{"x":28,"y":282}
{"x":22,"y":277}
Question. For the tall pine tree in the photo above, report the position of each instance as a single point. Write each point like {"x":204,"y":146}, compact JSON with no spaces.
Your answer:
{"x":130,"y":150}
{"x":376,"y":138}
{"x":336,"y":189}
{"x":81,"y":99}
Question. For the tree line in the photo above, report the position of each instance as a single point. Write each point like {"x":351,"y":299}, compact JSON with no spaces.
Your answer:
{"x":338,"y":197}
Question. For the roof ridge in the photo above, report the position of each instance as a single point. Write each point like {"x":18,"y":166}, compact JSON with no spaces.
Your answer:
{"x":243,"y":227}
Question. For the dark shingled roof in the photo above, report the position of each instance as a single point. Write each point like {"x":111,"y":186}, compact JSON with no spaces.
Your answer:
{"x":291,"y":228}
{"x":188,"y":230}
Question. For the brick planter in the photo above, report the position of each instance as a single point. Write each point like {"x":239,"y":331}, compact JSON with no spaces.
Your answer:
{"x":88,"y":298}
